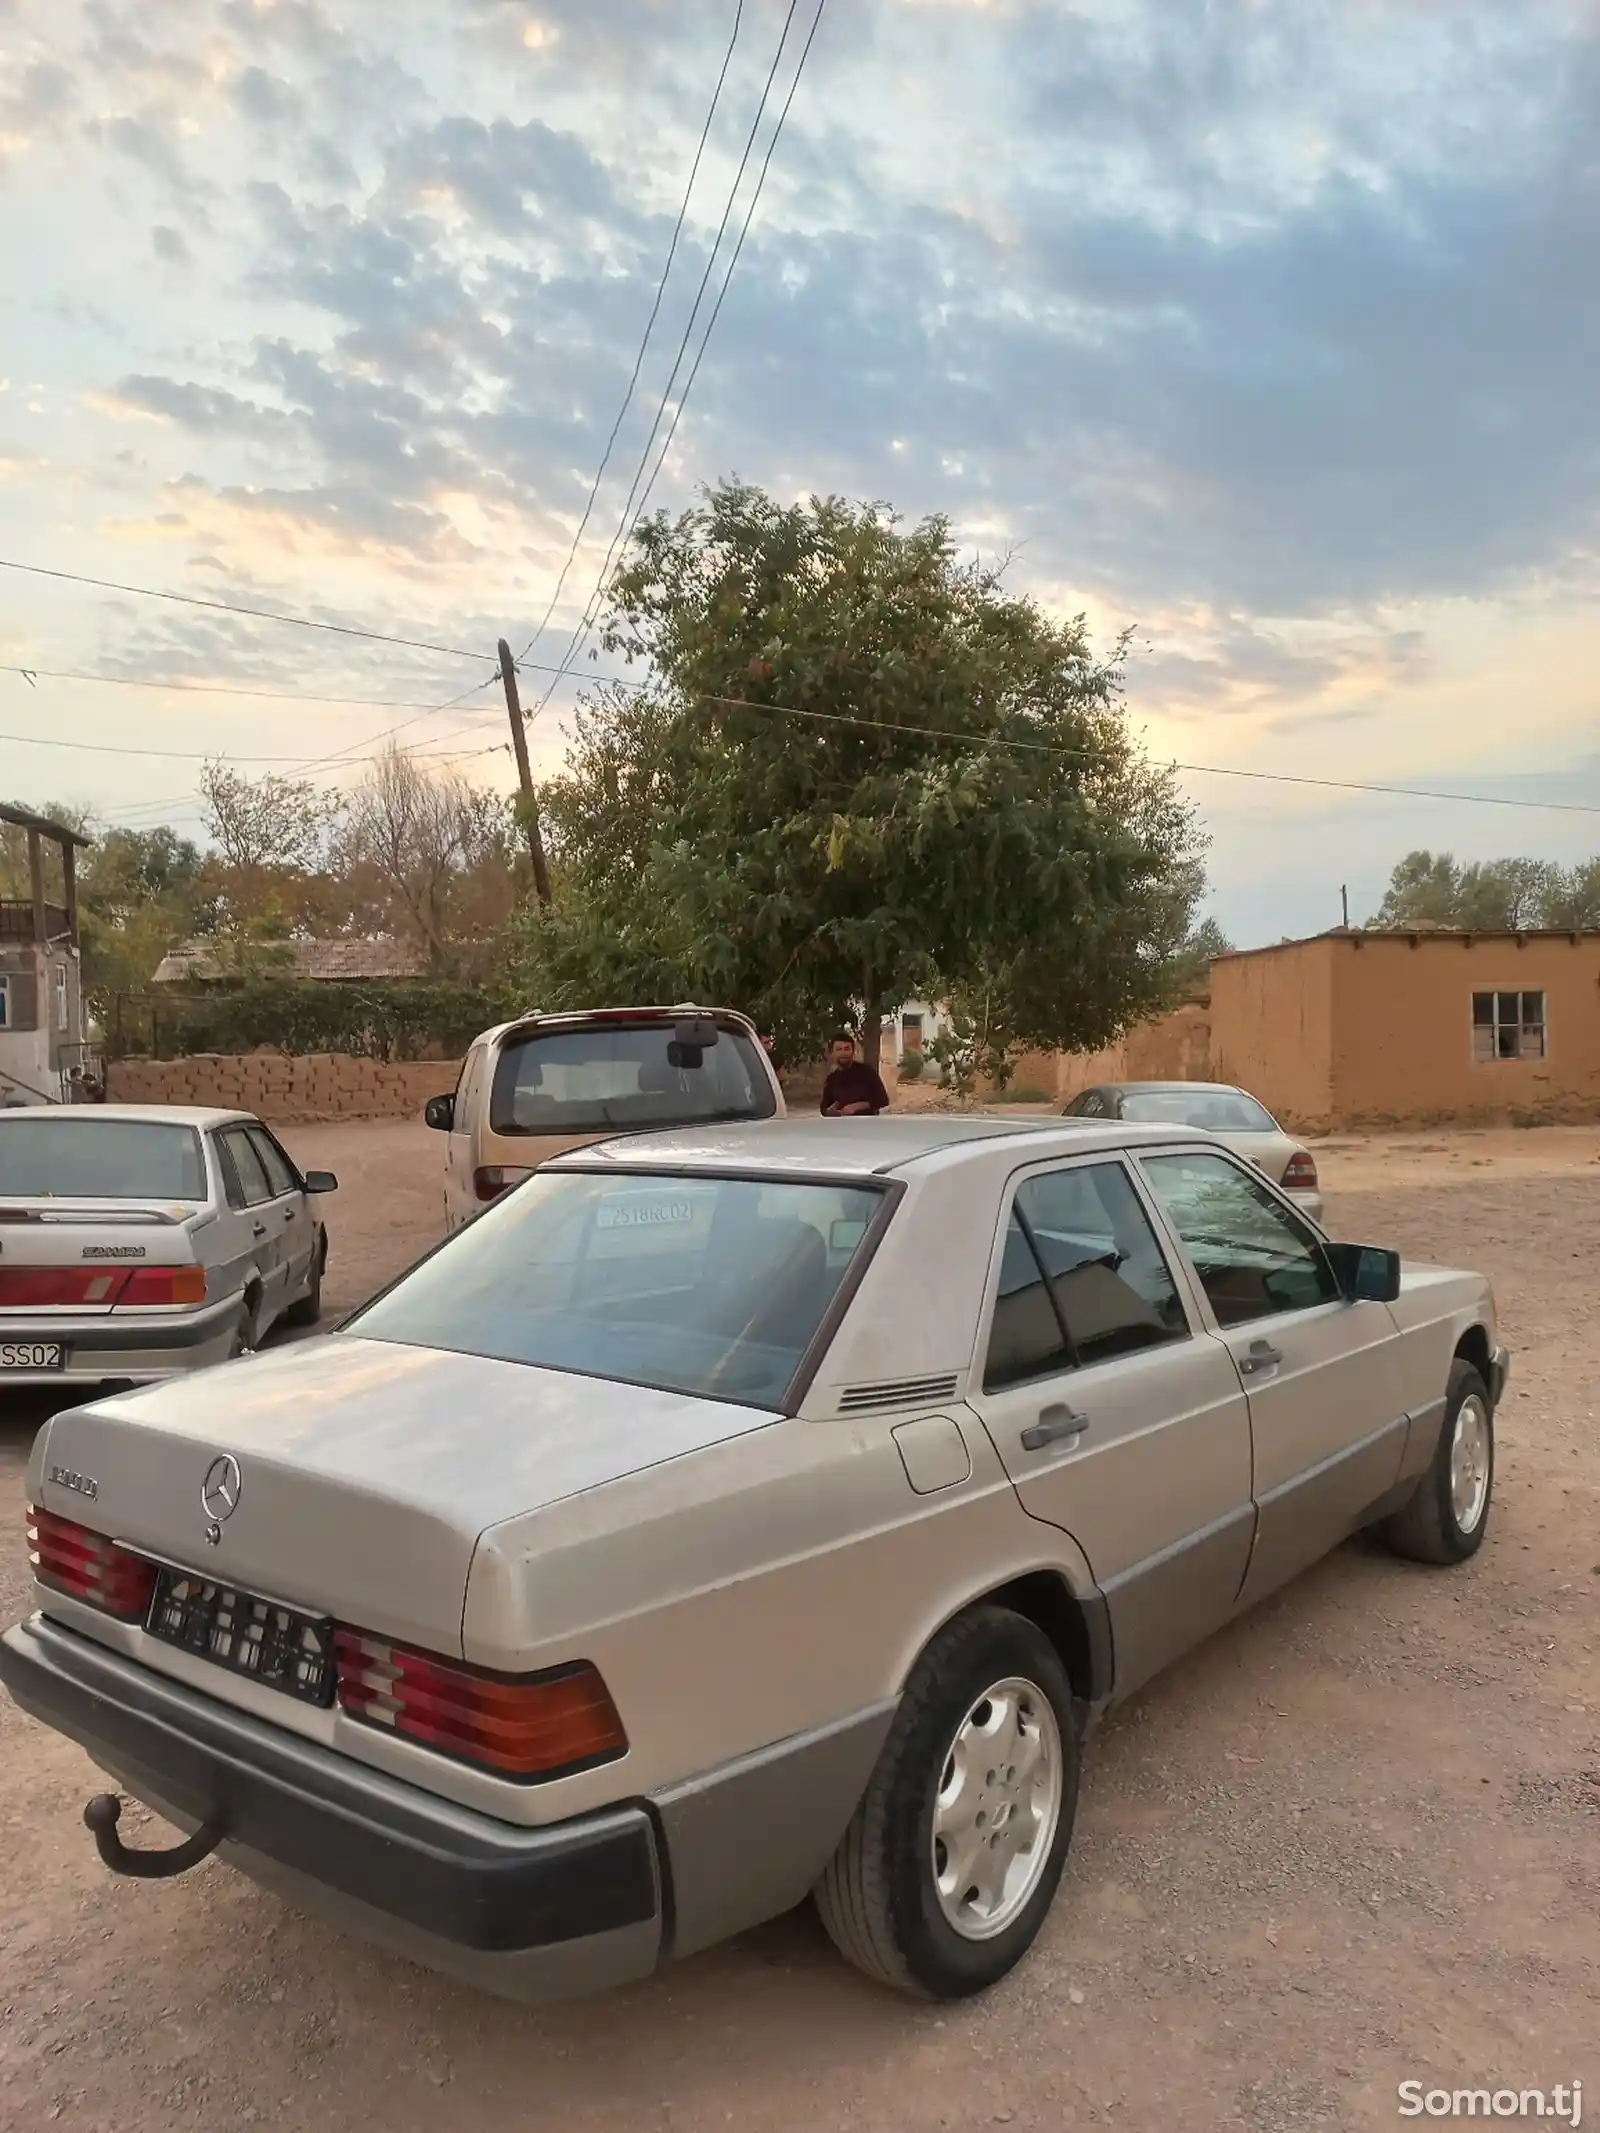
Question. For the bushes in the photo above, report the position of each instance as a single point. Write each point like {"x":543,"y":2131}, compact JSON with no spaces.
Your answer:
{"x":385,"y":1021}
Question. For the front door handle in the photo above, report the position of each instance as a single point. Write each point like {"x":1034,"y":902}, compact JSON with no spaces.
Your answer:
{"x":1259,"y":1358}
{"x":1054,"y":1426}
{"x":260,"y":1230}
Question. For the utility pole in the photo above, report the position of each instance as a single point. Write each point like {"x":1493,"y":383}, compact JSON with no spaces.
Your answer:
{"x":530,"y":807}
{"x":1344,"y":904}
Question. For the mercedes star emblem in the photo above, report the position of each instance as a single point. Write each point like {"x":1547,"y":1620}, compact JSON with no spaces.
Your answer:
{"x":219,"y":1492}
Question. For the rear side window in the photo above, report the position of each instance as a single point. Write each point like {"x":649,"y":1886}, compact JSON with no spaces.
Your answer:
{"x":100,"y":1159}
{"x":614,"y":1077}
{"x":714,"y":1286}
{"x":1082,"y":1278}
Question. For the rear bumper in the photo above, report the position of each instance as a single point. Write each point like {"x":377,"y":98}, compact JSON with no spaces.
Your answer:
{"x":443,"y":1880}
{"x":1309,"y":1203}
{"x":122,"y":1346}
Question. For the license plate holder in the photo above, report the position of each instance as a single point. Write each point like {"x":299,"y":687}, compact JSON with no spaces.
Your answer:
{"x":244,"y":1634}
{"x":33,"y":1355}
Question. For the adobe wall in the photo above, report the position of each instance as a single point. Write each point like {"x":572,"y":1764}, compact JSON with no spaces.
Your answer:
{"x":1175,"y":1047}
{"x":284,"y":1090}
{"x":1272,"y":1030}
{"x":1402,"y":1026}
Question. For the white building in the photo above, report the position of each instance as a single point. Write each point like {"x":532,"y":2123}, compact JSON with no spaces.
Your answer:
{"x":41,"y":978}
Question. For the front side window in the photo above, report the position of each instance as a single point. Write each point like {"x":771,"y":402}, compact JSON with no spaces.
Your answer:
{"x":99,"y":1159}
{"x":249,"y":1173}
{"x":280,"y":1171}
{"x":1507,"y":1025}
{"x":1254,"y":1258}
{"x":1082,"y":1278}
{"x":702,"y":1285}
{"x":5,"y":1003}
{"x":614,"y":1077}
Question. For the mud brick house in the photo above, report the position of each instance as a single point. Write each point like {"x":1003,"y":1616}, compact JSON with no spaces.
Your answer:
{"x":1371,"y":1030}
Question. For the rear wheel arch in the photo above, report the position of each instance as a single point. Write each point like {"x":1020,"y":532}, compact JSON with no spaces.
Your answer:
{"x":1077,"y":1624}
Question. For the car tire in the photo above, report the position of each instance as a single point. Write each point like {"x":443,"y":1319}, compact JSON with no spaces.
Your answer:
{"x":989,"y":1680}
{"x":1447,"y":1517}
{"x":246,"y":1334}
{"x":308,"y":1309}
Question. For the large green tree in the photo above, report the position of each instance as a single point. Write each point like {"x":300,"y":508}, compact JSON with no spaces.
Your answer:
{"x":860,"y":771}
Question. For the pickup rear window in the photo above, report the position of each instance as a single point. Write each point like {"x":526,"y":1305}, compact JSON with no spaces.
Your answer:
{"x":618,"y":1077}
{"x":706,"y":1285}
{"x":99,"y":1159}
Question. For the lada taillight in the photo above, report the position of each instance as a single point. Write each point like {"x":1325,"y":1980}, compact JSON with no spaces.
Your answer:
{"x":88,"y":1566}
{"x":524,"y":1726}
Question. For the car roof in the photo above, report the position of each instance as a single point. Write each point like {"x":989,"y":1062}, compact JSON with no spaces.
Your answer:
{"x":1173,"y":1088}
{"x":851,"y":1147}
{"x":139,"y":1114}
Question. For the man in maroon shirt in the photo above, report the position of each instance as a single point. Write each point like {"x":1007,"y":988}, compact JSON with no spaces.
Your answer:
{"x":852,"y":1089}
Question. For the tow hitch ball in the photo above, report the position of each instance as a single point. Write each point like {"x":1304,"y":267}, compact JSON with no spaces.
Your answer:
{"x":101,"y":1817}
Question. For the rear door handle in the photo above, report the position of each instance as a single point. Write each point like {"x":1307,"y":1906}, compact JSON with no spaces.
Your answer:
{"x":1054,"y":1426}
{"x":260,"y":1230}
{"x":1260,"y":1357}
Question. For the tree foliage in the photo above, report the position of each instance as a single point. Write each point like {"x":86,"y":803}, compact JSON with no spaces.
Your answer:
{"x":1490,"y":896}
{"x":862,"y":772}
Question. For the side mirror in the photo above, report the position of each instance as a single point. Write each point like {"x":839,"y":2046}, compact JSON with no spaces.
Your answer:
{"x":1366,"y":1273}
{"x":439,"y":1112}
{"x":321,"y":1181}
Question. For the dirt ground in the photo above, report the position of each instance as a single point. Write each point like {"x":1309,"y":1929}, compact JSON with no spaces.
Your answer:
{"x":1353,"y":1841}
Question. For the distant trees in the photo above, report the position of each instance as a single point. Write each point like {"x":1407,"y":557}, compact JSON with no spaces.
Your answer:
{"x":1491,"y":895}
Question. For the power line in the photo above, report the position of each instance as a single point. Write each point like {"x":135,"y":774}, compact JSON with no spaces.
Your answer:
{"x":650,"y":326}
{"x":215,"y":688}
{"x":234,"y":607}
{"x":755,"y":200}
{"x":1052,"y":748}
{"x":627,"y":519}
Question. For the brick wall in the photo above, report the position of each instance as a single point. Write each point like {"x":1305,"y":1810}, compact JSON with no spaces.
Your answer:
{"x":283,"y":1090}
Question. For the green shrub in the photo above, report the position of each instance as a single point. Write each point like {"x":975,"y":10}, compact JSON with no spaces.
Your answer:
{"x":911,"y":1066}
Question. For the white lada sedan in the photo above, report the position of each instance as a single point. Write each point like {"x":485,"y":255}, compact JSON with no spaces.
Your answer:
{"x":141,"y":1240}
{"x":731,"y":1516}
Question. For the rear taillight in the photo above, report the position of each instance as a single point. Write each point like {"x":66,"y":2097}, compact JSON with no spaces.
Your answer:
{"x":165,"y":1285}
{"x":532,"y":1726}
{"x":1301,"y":1175}
{"x":88,"y":1566}
{"x":32,"y":1287}
{"x":490,"y":1180}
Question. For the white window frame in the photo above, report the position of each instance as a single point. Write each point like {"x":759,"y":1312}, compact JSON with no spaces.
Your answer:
{"x":1523,"y":1028}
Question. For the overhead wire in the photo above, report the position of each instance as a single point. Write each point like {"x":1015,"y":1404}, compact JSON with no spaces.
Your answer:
{"x":628,"y":517}
{"x":235,"y":607}
{"x":649,"y":329}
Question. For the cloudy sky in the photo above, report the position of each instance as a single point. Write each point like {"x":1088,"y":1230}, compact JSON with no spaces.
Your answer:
{"x":1271,"y":327}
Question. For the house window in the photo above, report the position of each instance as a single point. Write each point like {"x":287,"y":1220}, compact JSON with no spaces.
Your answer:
{"x":1507,"y":1025}
{"x":61,"y":999}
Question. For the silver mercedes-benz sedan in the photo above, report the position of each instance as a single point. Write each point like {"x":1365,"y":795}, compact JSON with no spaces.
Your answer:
{"x":685,"y":1536}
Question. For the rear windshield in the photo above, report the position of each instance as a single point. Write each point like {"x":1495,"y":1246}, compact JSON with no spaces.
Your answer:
{"x":1217,"y":1110}
{"x":99,"y":1159}
{"x":617,"y":1077}
{"x":714,"y":1286}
